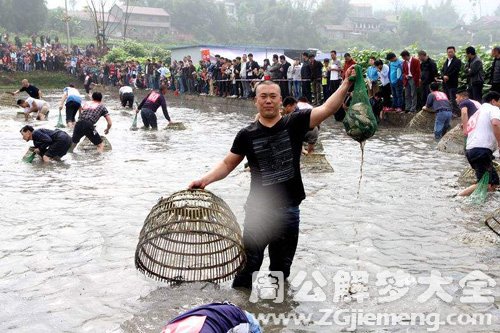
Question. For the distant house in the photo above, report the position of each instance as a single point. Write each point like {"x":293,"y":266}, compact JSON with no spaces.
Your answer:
{"x":141,"y":22}
{"x":360,"y":22}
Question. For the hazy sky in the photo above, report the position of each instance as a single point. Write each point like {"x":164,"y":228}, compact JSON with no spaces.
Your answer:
{"x":463,"y":6}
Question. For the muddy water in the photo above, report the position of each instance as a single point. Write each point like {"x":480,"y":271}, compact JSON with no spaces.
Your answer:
{"x":69,"y":230}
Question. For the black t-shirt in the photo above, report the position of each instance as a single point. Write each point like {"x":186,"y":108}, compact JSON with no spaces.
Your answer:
{"x":471,"y":107}
{"x":32,"y":91}
{"x":274,"y":158}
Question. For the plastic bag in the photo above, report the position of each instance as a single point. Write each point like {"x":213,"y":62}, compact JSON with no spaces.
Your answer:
{"x":360,"y":122}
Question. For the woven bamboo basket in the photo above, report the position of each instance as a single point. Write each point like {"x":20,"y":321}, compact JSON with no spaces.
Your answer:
{"x":191,"y":236}
{"x":468,"y":176}
{"x":423,"y":122}
{"x":492,"y":221}
{"x":87,"y":145}
{"x":453,"y":142}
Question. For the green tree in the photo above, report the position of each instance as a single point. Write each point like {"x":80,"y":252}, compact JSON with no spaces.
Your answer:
{"x":413,"y":28}
{"x":434,"y":14}
{"x":28,"y":16}
{"x":331,"y":12}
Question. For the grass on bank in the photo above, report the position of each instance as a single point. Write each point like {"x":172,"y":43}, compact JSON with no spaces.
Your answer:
{"x":10,"y":81}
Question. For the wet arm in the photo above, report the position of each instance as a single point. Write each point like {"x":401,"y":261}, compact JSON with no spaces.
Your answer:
{"x":496,"y":129}
{"x":465,"y":120}
{"x":61,"y":105}
{"x":332,"y":104}
{"x":110,"y":123}
{"x":164,"y":109}
{"x":220,"y":171}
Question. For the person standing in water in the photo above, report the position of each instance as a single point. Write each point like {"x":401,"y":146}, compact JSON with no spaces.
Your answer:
{"x":90,"y":114}
{"x":31,"y":90}
{"x":150,"y":104}
{"x":482,"y":140}
{"x":73,"y":102}
{"x":273,"y":146}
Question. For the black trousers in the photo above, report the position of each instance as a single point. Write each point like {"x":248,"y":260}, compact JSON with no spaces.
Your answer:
{"x":276,"y":229}
{"x":127,"y":98}
{"x":306,"y":90}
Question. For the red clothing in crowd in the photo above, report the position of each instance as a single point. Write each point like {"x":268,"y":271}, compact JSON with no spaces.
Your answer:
{"x":414,"y":69}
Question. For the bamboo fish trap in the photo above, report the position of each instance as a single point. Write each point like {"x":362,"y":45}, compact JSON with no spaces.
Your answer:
{"x":493,"y":221}
{"x":191,"y":236}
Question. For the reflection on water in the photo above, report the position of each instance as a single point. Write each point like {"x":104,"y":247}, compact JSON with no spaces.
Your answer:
{"x":69,"y":230}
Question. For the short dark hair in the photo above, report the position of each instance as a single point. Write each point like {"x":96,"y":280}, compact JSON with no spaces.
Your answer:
{"x":390,"y":55}
{"x":27,"y":128}
{"x":372,"y":57}
{"x":97,"y":96}
{"x":303,"y":99}
{"x":451,"y":47}
{"x":496,"y":48}
{"x":422,"y":53}
{"x":491,"y":96}
{"x":267,"y":83}
{"x":305,"y":54}
{"x":289,"y":100}
{"x":463,"y":93}
{"x":312,"y":55}
{"x":347,"y":54}
{"x":378,"y":63}
{"x":238,"y":58}
{"x":333,"y":51}
{"x":326,"y":60}
{"x":217,"y":56}
{"x":71,"y":85}
{"x":434,"y":86}
{"x":282,"y":57}
{"x":275,"y":56}
{"x":405,"y":53}
{"x":250,"y":55}
{"x":20,"y":101}
{"x":470,"y":50}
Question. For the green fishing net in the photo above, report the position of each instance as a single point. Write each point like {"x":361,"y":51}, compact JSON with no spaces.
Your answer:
{"x":359,"y":122}
{"x":29,"y":156}
{"x":481,"y":192}
{"x":60,"y":123}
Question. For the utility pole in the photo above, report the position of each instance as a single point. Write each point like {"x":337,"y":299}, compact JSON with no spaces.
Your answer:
{"x":67,"y":24}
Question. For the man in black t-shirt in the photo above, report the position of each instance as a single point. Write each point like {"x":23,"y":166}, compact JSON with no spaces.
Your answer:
{"x":32,"y":91}
{"x":272,"y":145}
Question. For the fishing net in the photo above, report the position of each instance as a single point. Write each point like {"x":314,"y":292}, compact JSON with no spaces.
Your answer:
{"x":134,"y":123}
{"x":453,"y":141}
{"x":190,"y":236}
{"x":359,"y":122}
{"x":481,"y":192}
{"x":29,"y":156}
{"x":492,"y":221}
{"x":60,"y":123}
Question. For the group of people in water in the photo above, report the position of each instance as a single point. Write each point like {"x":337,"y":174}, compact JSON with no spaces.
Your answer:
{"x":54,"y":144}
{"x":273,"y":145}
